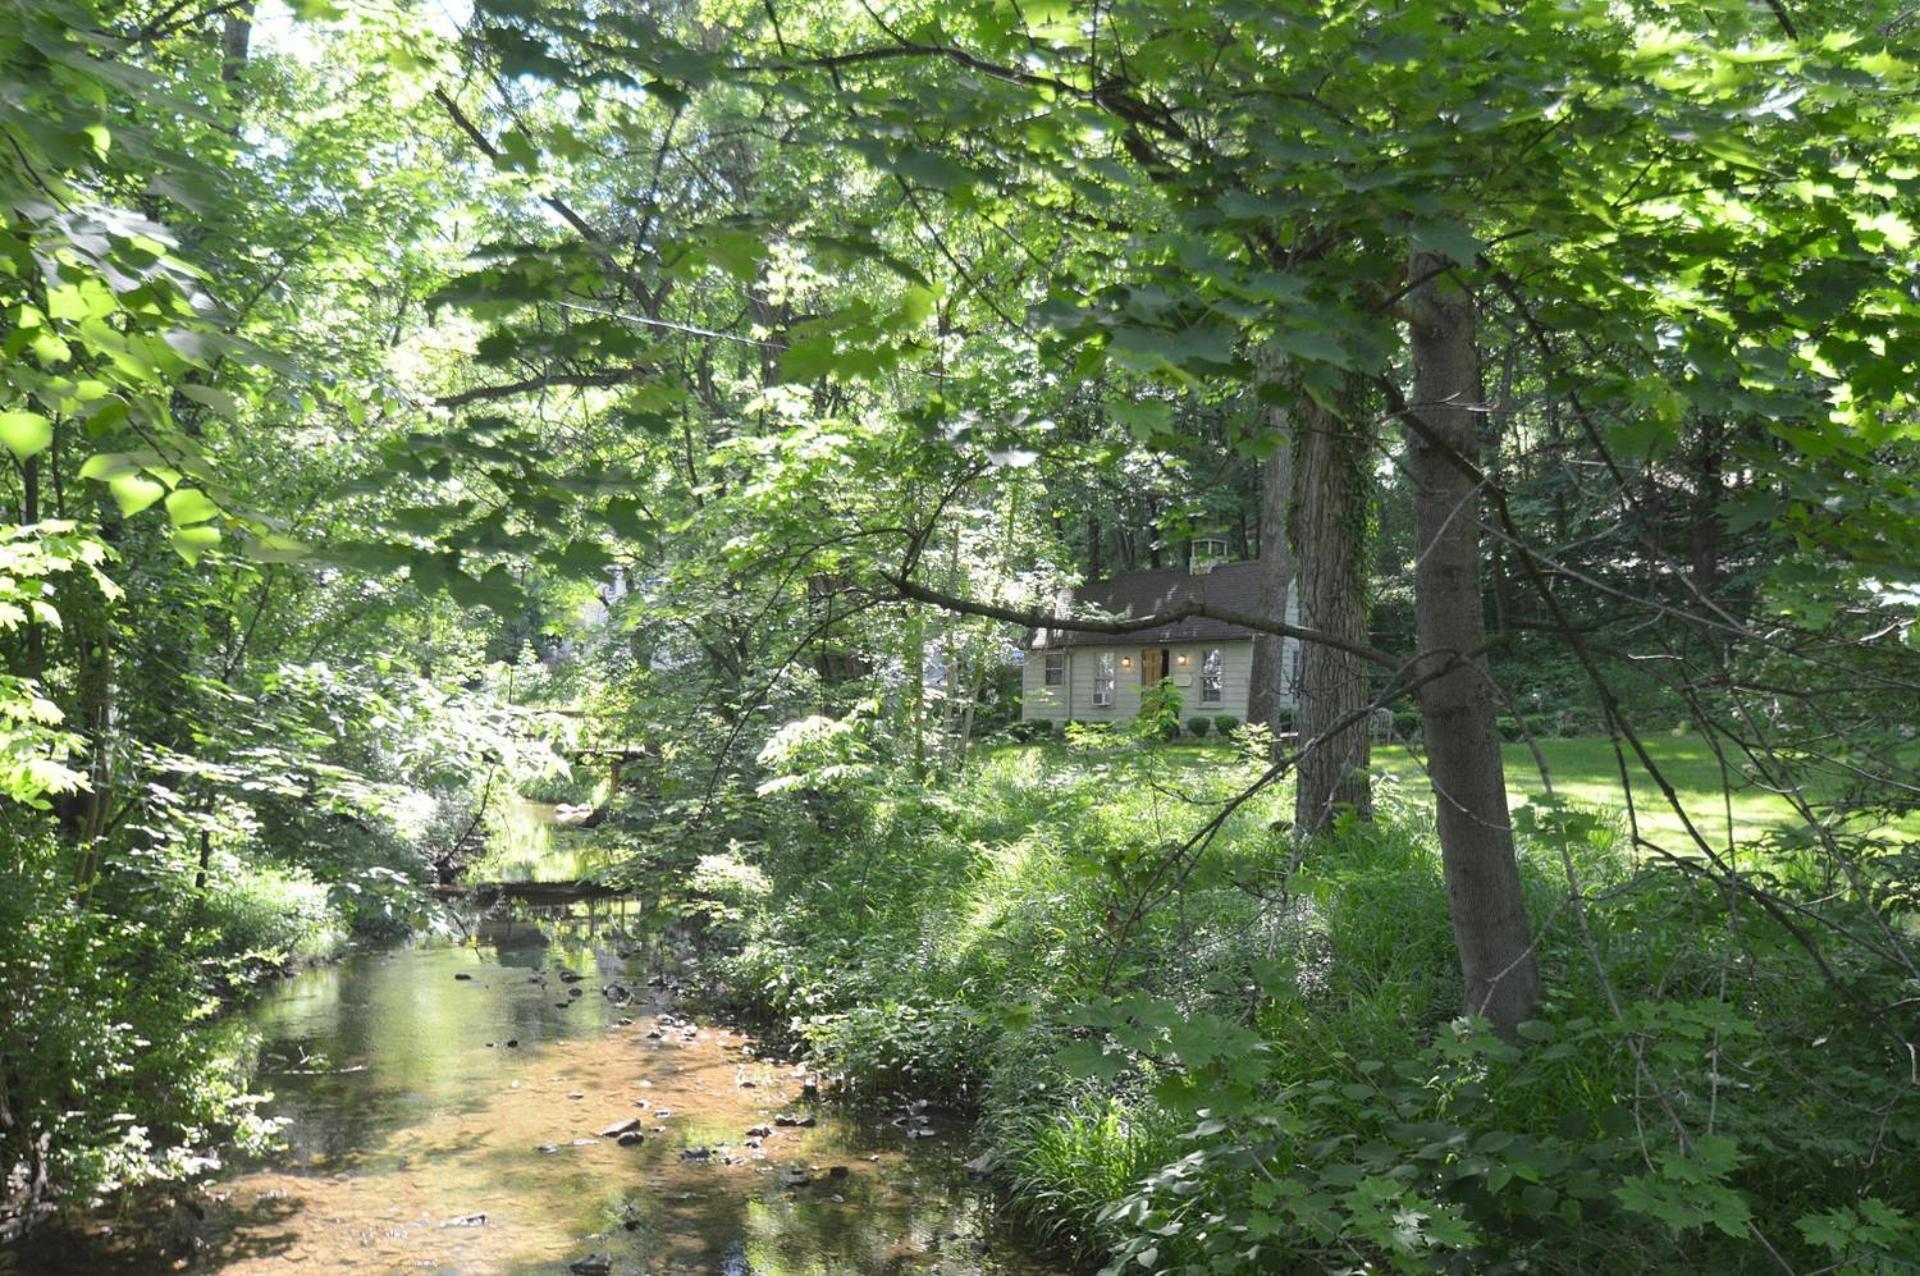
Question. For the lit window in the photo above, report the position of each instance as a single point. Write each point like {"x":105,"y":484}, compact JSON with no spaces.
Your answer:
{"x":1103,"y":681}
{"x":1056,"y":670}
{"x":1212,"y":678}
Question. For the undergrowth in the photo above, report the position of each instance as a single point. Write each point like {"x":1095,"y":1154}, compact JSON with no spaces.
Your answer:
{"x":1265,"y":1070}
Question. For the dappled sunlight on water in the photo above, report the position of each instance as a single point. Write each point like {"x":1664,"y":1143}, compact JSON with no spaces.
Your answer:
{"x":445,"y":1124}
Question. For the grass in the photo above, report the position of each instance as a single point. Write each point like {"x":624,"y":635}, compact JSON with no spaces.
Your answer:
{"x":1725,"y":809}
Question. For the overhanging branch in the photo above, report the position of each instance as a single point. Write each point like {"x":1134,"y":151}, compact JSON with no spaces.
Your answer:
{"x":1032,"y":619}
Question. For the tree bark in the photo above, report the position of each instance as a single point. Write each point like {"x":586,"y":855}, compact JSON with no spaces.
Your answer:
{"x":1484,"y":896}
{"x":236,"y":40}
{"x":1267,"y":692}
{"x":1331,"y":483}
{"x":1705,"y":525}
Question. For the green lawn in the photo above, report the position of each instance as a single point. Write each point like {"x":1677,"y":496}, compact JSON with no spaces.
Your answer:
{"x":1585,"y":771}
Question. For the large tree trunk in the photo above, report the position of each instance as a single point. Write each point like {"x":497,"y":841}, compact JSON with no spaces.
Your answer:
{"x":1457,"y":708}
{"x":1331,"y":482}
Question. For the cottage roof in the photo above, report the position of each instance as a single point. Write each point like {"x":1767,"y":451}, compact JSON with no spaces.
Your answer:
{"x":1230,"y":586}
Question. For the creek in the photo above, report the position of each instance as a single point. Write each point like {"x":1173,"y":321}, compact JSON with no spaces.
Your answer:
{"x":448,"y":1108}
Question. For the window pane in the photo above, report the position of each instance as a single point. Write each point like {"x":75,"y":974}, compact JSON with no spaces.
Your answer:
{"x":1103,"y":679}
{"x":1056,"y":671}
{"x":1212,"y":678}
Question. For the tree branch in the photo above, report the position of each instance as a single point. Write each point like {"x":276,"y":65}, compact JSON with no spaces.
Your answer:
{"x":908,"y":589}
{"x":488,"y":393}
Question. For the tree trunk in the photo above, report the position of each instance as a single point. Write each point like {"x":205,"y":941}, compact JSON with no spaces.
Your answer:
{"x":1705,"y":525}
{"x":1266,"y":695}
{"x":914,"y":693}
{"x":236,"y":39}
{"x":1331,"y":483}
{"x":1457,"y":708}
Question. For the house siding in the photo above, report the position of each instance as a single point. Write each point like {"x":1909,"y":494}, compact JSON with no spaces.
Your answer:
{"x":1075,"y":699}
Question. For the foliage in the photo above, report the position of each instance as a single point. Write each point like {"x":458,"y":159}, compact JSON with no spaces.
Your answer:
{"x":400,"y":413}
{"x":1251,"y":1100}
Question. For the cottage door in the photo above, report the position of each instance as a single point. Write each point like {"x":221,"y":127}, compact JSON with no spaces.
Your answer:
{"x":1153,"y":666}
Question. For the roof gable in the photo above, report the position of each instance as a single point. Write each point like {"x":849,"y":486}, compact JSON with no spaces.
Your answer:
{"x":1230,"y":586}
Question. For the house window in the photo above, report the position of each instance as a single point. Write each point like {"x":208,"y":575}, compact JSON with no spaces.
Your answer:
{"x":1206,"y":553}
{"x":1212,"y":678}
{"x":1103,"y":681}
{"x":1056,"y":670}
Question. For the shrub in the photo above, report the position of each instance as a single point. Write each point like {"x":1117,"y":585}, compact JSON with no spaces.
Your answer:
{"x":939,"y":1050}
{"x":1226,"y":724}
{"x":1406,"y":724}
{"x":1199,"y":726}
{"x":1283,"y":719}
{"x":1041,"y":728}
{"x":113,"y":1074}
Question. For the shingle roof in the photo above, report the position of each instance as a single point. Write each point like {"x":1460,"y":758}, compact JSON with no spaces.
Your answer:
{"x":1230,"y":586}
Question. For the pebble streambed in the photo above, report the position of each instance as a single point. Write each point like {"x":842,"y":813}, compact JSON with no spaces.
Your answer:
{"x":457,"y":1109}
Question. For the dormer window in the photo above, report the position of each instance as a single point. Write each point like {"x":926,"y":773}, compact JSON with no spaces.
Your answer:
{"x":1207,"y":553}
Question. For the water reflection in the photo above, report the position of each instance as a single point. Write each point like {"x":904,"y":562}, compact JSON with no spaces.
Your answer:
{"x":418,"y":1100}
{"x":528,"y":844}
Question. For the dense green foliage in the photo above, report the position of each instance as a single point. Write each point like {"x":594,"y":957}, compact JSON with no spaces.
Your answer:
{"x":681,"y":410}
{"x":1273,"y":1076}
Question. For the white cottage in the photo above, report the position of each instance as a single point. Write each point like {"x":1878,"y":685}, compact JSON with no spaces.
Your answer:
{"x":1084,"y":677}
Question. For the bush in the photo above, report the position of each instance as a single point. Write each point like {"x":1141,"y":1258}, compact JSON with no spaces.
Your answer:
{"x":1199,"y":726}
{"x":113,"y":1073}
{"x":1027,"y":732}
{"x":1283,"y":719}
{"x":940,"y":1050}
{"x":1406,"y":724}
{"x":1226,"y":724}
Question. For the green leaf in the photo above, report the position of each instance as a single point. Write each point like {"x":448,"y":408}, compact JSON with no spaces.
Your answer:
{"x":189,"y":505}
{"x":106,"y":466}
{"x":25,"y":433}
{"x":134,"y":492}
{"x":1448,"y":238}
{"x":221,"y":401}
{"x":929,"y":169}
{"x":191,"y":542}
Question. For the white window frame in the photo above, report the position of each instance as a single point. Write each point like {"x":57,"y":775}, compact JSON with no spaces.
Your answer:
{"x":1213,"y":677}
{"x":1053,"y":669}
{"x":1103,"y":681}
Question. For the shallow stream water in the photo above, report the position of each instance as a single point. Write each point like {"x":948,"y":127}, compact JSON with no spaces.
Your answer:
{"x":445,"y":1109}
